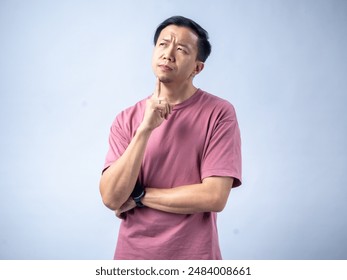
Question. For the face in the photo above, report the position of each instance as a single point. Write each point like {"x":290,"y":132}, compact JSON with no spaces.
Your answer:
{"x":175,"y":55}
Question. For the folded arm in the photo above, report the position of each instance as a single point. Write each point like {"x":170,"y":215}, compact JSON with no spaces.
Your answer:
{"x":209,"y":196}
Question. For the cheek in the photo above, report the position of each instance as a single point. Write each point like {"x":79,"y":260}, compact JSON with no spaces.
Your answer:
{"x":155,"y":56}
{"x":154,"y":59}
{"x":189,"y":66}
{"x":154,"y":63}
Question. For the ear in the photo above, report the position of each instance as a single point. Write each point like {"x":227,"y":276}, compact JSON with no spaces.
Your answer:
{"x":198,"y":68}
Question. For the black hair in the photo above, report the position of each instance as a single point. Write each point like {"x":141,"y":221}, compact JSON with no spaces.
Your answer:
{"x":204,"y":46}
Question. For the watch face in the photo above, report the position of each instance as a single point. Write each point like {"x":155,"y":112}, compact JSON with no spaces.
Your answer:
{"x":138,"y":199}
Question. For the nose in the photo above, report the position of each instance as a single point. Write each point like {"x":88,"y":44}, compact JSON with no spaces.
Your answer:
{"x":169,"y":54}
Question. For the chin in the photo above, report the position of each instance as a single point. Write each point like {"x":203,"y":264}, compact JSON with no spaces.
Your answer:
{"x":165,"y":80}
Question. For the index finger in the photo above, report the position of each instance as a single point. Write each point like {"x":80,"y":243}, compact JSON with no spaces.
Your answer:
{"x":157,"y":87}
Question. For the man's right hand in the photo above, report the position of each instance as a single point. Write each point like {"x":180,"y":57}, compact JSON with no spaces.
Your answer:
{"x":157,"y":109}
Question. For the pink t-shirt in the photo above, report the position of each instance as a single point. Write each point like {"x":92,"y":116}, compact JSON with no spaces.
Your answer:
{"x":200,"y":139}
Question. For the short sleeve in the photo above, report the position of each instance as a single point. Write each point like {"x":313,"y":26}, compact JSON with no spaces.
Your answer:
{"x":118,"y":142}
{"x":222,"y":152}
{"x":123,"y":130}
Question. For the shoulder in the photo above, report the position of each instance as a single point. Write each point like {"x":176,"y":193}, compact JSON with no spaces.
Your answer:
{"x":217,"y":104}
{"x":131,"y":116}
{"x":133,"y":110}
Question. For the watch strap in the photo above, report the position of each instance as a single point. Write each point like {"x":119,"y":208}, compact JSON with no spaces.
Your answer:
{"x":138,"y":201}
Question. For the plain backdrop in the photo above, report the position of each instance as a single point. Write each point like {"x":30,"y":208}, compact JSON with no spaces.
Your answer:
{"x":68,"y":67}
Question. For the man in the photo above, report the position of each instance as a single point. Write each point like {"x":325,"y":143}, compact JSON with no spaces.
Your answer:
{"x":181,"y":150}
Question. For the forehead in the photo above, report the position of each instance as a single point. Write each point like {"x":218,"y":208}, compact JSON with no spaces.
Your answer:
{"x":180,"y":34}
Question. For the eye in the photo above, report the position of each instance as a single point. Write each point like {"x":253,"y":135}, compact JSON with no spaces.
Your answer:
{"x":181,"y":50}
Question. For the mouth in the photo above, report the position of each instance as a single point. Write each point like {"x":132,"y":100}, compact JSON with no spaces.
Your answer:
{"x":165,"y":67}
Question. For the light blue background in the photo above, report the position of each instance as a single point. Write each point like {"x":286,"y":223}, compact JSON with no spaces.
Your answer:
{"x":68,"y":67}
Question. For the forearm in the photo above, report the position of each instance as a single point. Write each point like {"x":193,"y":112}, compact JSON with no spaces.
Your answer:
{"x":117,"y":182}
{"x":209,"y":196}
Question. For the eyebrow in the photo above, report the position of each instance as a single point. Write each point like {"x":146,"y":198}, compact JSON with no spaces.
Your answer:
{"x":180,"y":44}
{"x":184,"y":45}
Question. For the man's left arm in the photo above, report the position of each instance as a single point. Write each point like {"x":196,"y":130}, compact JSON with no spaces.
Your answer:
{"x":209,"y":196}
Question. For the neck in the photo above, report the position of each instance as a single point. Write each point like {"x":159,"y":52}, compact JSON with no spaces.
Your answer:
{"x":177,"y":94}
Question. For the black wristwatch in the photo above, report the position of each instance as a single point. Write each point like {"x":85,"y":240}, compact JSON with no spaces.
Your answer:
{"x":138,"y":193}
{"x":138,"y":201}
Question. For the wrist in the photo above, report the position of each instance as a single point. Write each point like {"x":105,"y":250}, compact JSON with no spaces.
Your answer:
{"x":138,"y":193}
{"x":138,"y":199}
{"x":144,"y":129}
